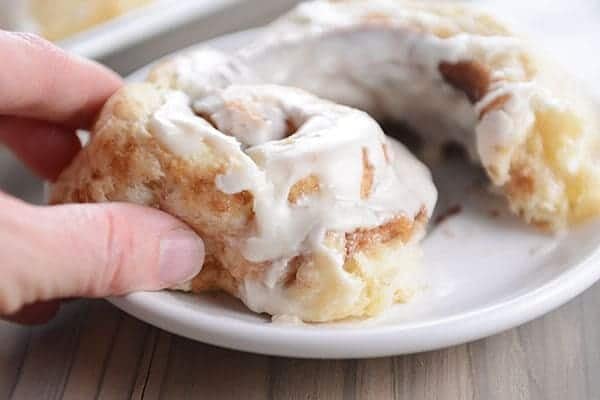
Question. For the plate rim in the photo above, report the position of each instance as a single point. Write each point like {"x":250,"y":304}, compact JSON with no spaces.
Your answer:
{"x":345,"y":343}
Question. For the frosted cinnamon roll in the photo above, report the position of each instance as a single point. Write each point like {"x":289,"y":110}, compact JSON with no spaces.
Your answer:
{"x":305,"y":207}
{"x":454,"y":74}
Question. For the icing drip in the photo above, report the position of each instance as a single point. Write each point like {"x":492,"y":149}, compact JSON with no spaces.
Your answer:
{"x":328,"y":144}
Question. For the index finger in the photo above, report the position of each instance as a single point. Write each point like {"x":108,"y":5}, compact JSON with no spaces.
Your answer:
{"x":38,"y":80}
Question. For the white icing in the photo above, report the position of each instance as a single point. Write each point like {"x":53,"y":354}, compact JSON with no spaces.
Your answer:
{"x":328,"y":144}
{"x":390,"y":69}
{"x":185,"y":134}
{"x":205,"y":70}
{"x":252,"y":120}
{"x":498,"y":133}
{"x":283,"y":305}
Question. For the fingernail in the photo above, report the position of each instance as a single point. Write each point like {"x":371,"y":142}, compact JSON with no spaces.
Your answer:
{"x":181,"y":256}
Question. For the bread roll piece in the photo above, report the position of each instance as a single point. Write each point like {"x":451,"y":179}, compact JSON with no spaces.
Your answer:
{"x":306,"y":209}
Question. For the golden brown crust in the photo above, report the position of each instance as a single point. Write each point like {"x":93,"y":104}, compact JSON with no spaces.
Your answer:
{"x":495,"y":104}
{"x":521,"y":183}
{"x":377,"y":18}
{"x":125,"y":163}
{"x":304,"y":188}
{"x":366,"y":183}
{"x":401,"y":227}
{"x":470,"y":77}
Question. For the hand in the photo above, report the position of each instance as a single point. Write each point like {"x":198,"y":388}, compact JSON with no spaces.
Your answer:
{"x":92,"y":250}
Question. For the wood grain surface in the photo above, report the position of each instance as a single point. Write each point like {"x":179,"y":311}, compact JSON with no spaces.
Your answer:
{"x":92,"y":350}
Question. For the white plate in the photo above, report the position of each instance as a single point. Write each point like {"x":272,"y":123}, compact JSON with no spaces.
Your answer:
{"x":139,"y":24}
{"x":486,"y":271}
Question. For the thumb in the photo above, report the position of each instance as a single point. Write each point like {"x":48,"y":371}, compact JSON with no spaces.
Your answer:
{"x":91,"y":250}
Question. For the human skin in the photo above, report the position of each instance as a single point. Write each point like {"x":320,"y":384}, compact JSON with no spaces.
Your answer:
{"x":50,"y":253}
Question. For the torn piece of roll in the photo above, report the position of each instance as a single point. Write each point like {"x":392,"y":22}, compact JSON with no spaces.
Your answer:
{"x":454,"y":74}
{"x":305,"y":207}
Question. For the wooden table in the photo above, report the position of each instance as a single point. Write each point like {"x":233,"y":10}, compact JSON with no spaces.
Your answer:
{"x":93,"y":350}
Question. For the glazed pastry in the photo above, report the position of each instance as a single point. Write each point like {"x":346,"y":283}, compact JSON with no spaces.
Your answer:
{"x":454,"y":74}
{"x":305,"y":207}
{"x":59,"y":19}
